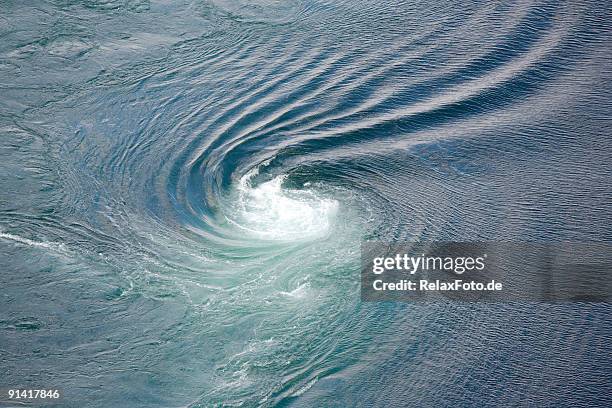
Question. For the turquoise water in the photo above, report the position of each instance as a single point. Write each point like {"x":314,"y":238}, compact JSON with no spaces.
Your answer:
{"x":185,"y":186}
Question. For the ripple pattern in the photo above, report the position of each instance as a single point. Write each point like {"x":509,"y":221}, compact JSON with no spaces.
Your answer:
{"x":186,"y":186}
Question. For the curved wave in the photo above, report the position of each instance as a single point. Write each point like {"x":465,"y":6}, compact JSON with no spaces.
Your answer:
{"x":231,"y":171}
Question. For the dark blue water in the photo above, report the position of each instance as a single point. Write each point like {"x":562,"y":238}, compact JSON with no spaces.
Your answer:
{"x":185,"y":186}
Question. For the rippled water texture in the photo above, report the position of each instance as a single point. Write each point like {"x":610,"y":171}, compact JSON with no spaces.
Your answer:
{"x":185,"y":186}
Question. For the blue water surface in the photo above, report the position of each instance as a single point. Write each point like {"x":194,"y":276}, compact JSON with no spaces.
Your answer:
{"x":185,"y":186}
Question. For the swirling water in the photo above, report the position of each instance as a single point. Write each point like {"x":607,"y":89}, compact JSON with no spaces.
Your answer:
{"x":185,"y":186}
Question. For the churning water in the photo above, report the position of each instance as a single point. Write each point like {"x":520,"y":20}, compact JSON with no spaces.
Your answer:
{"x":185,"y":185}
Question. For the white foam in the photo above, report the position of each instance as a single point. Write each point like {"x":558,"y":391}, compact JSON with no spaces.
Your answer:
{"x":270,"y":212}
{"x":29,"y":242}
